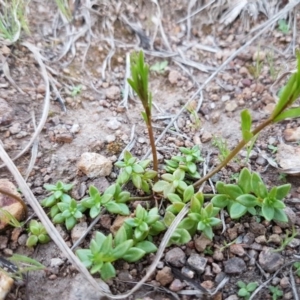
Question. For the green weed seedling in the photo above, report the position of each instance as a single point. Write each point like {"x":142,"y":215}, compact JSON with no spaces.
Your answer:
{"x":159,"y":67}
{"x":283,"y":26}
{"x":64,"y":9}
{"x":273,"y":148}
{"x":287,"y":239}
{"x":10,"y":219}
{"x":276,"y":292}
{"x":296,"y":266}
{"x":58,"y":192}
{"x":76,"y":90}
{"x":246,"y":289}
{"x":222,"y":146}
{"x":37,"y":234}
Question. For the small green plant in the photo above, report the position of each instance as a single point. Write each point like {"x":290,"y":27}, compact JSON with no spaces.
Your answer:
{"x":69,"y":212}
{"x":64,"y":8}
{"x":37,"y":234}
{"x":76,"y":90}
{"x":271,"y":62}
{"x":296,"y":266}
{"x":282,"y":177}
{"x":186,"y":161}
{"x":222,"y":146}
{"x":135,"y":171}
{"x":276,"y":292}
{"x":246,"y":289}
{"x":283,"y":26}
{"x":159,"y":66}
{"x":194,"y":116}
{"x":273,"y":148}
{"x":234,"y":177}
{"x":7,"y":217}
{"x":289,"y":236}
{"x":208,"y":251}
{"x":255,"y":70}
{"x":58,"y":192}
{"x":145,"y":223}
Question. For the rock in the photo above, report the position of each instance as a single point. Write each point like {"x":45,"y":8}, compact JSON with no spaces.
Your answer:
{"x":259,"y":56}
{"x":94,"y":164}
{"x":113,"y":124}
{"x":15,"y":128}
{"x":175,"y":257}
{"x":232,"y":233}
{"x":207,"y":284}
{"x":237,"y":249}
{"x":294,"y":243}
{"x":258,"y":228}
{"x":78,"y":230}
{"x":113,"y":93}
{"x":246,"y":82}
{"x":215,"y":116}
{"x":206,"y":137}
{"x":285,"y":282}
{"x":75,"y":128}
{"x":231,"y":106}
{"x":105,"y":221}
{"x":164,"y":276}
{"x":216,"y":268}
{"x":6,"y":113}
{"x":288,"y":296}
{"x":218,"y":255}
{"x":288,"y":156}
{"x":118,"y":222}
{"x":234,"y":266}
{"x":3,"y":242}
{"x":270,"y":261}
{"x":197,"y":262}
{"x":252,"y":154}
{"x":187,"y":272}
{"x":261,"y":161}
{"x":80,"y":291}
{"x":202,"y":242}
{"x":176,"y":285}
{"x":275,"y":238}
{"x":248,"y":238}
{"x":174,"y":77}
{"x":41,"y":89}
{"x":292,"y":134}
{"x":232,"y":297}
{"x":124,"y":275}
{"x":292,"y":218}
{"x":6,"y":284}
{"x":22,"y":239}
{"x":64,"y":137}
{"x":244,"y":71}
{"x":56,"y":262}
{"x":225,"y":98}
{"x":101,"y":184}
{"x":261,"y":239}
{"x":110,"y":138}
{"x":10,"y":204}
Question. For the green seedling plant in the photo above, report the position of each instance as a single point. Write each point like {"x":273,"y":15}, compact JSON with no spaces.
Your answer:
{"x":194,"y":116}
{"x":221,"y":145}
{"x":273,"y":148}
{"x":276,"y":292}
{"x":296,"y":266}
{"x":134,"y":170}
{"x":282,"y":177}
{"x":186,"y":161}
{"x":76,"y":90}
{"x":96,"y":202}
{"x":283,"y":26}
{"x":70,"y":211}
{"x":139,"y":83}
{"x":58,"y":192}
{"x":37,"y":234}
{"x":159,"y":66}
{"x":289,"y":236}
{"x":64,"y":8}
{"x":245,"y":290}
{"x":7,"y":217}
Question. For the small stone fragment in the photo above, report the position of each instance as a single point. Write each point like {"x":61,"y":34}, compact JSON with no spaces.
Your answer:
{"x":6,"y":113}
{"x":237,"y":249}
{"x":78,"y":230}
{"x":10,"y":204}
{"x":235,"y":265}
{"x":294,"y":243}
{"x":75,"y":128}
{"x":259,"y":56}
{"x":175,"y":257}
{"x":202,"y":242}
{"x":206,"y":137}
{"x":288,"y":157}
{"x":113,"y":124}
{"x":3,"y":241}
{"x":275,"y":238}
{"x":232,"y":297}
{"x":197,"y":262}
{"x":270,"y":261}
{"x":258,"y":228}
{"x":113,"y":93}
{"x":164,"y":276}
{"x":64,"y":137}
{"x":15,"y":128}
{"x":215,"y":116}
{"x":284,"y":282}
{"x":216,"y":268}
{"x":94,"y":164}
{"x":176,"y":285}
{"x":174,"y":77}
{"x":292,"y":134}
{"x":56,"y":262}
{"x":6,"y":284}
{"x":187,"y":272}
{"x":218,"y":255}
{"x":118,"y":222}
{"x":231,"y":106}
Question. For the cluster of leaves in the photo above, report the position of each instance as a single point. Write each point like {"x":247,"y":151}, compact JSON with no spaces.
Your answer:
{"x":131,"y":242}
{"x":187,"y":161}
{"x":276,"y":292}
{"x":37,"y":234}
{"x":246,"y":289}
{"x":135,"y":171}
{"x":250,"y":194}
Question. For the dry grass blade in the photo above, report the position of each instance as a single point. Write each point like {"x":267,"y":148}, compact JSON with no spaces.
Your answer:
{"x":127,"y":88}
{"x":188,"y":21}
{"x":293,"y":284}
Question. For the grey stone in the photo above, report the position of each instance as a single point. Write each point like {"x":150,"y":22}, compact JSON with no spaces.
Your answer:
{"x":270,"y":261}
{"x":257,"y":228}
{"x":6,"y":113}
{"x":231,"y":106}
{"x":78,"y":230}
{"x":113,"y":93}
{"x":235,"y":265}
{"x":110,"y":138}
{"x":287,"y":156}
{"x":174,"y":77}
{"x":175,"y":257}
{"x":232,"y":297}
{"x":294,"y":243}
{"x":197,"y":262}
{"x":261,"y":161}
{"x":164,"y":276}
{"x":113,"y":124}
{"x":202,"y":242}
{"x":22,"y":239}
{"x":176,"y":285}
{"x":15,"y":128}
{"x":80,"y":291}
{"x":188,"y":272}
{"x":56,"y":262}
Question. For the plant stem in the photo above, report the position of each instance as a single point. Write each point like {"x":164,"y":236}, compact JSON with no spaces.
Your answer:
{"x":233,"y":153}
{"x":145,"y":198}
{"x":152,"y":141}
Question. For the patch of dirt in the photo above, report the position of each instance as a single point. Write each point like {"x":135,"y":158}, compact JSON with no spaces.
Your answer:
{"x":94,"y":121}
